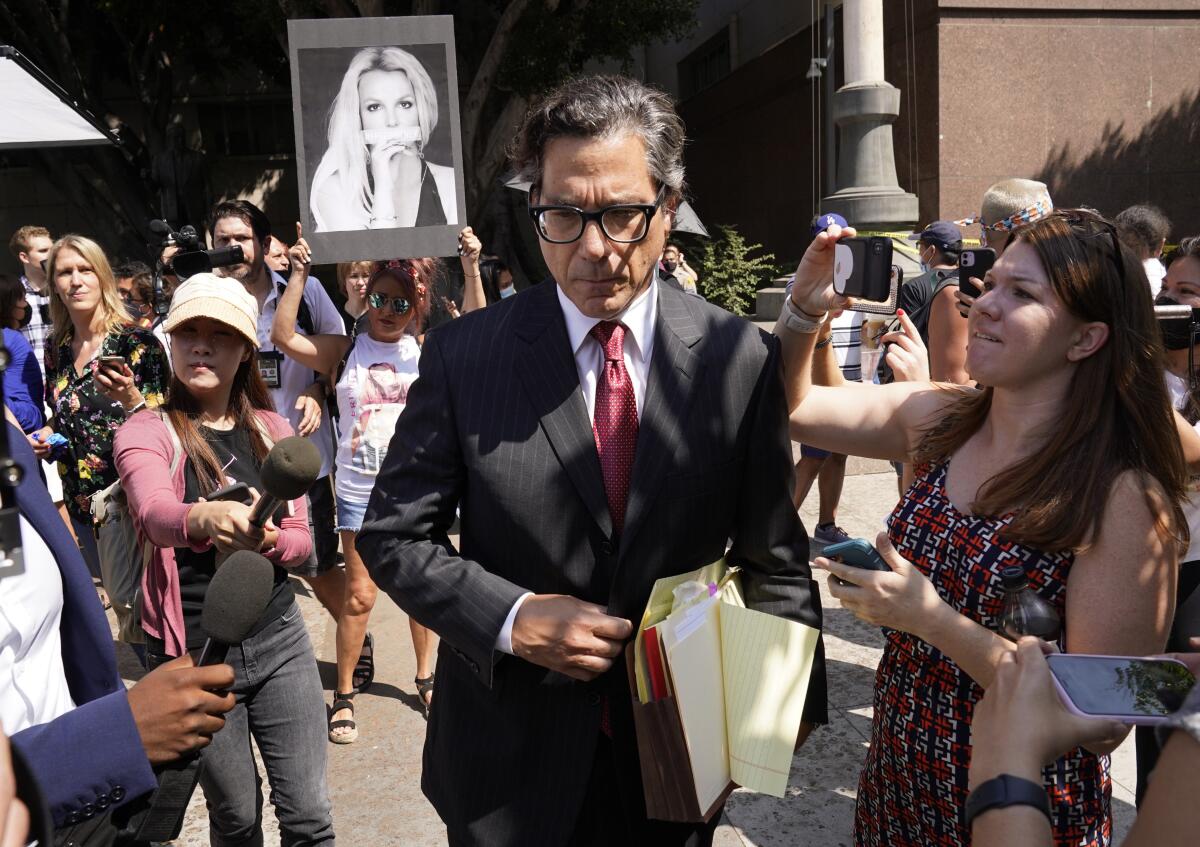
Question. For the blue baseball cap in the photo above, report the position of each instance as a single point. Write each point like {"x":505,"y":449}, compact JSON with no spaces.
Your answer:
{"x":823,"y":222}
{"x":942,"y":234}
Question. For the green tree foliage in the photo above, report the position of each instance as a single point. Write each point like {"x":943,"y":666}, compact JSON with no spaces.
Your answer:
{"x":729,"y":274}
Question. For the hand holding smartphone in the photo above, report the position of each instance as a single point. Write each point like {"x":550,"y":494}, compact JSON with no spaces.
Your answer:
{"x":1139,"y":691}
{"x":857,"y":553}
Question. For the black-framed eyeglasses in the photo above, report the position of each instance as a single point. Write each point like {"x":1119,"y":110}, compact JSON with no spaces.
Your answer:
{"x":378,"y":300}
{"x":625,"y":223}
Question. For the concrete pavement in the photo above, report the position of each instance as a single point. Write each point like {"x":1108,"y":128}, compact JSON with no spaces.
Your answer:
{"x":375,"y":783}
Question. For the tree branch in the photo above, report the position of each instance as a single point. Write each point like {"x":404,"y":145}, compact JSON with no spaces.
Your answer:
{"x":485,"y":76}
{"x":488,"y":166}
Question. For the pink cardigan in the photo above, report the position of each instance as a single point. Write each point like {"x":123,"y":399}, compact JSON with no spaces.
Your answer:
{"x":142,"y":452}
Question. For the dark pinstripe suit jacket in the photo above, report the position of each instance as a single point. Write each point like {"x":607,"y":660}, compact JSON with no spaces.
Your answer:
{"x":497,"y":424}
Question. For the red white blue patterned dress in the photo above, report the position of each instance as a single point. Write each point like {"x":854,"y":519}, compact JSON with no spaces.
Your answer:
{"x":913,"y":787}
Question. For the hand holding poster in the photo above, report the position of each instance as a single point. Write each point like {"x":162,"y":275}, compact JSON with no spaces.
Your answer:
{"x":377,"y":136}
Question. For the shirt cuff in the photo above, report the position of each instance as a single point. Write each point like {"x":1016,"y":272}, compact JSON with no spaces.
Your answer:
{"x":504,"y":639}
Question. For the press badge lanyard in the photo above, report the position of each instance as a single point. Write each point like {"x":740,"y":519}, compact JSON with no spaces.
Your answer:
{"x":270,"y":361}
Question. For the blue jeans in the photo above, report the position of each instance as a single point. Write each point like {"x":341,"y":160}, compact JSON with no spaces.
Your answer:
{"x":280,"y":703}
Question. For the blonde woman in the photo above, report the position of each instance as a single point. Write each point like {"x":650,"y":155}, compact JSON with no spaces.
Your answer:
{"x":100,"y":368}
{"x":374,"y":174}
{"x":352,"y":279}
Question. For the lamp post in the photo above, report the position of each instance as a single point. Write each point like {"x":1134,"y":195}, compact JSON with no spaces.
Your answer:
{"x":868,"y":195}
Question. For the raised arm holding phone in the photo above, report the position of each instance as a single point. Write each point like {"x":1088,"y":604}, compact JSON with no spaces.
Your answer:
{"x":372,"y":372}
{"x":1058,"y":466}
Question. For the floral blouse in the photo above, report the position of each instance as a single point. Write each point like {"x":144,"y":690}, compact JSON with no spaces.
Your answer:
{"x":88,"y":419}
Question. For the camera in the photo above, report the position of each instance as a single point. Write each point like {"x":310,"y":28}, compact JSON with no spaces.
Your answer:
{"x":192,"y":257}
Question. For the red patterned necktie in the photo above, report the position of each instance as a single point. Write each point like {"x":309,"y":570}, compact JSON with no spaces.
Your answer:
{"x":615,"y":422}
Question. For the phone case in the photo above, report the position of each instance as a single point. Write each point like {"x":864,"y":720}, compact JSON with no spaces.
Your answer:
{"x":867,"y":258}
{"x":982,"y":260}
{"x":1137,"y":720}
{"x":858,"y":553}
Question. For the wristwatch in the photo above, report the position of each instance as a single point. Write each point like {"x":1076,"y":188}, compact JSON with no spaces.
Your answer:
{"x":1007,"y":790}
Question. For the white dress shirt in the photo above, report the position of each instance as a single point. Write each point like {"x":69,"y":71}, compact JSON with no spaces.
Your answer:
{"x":33,"y":682}
{"x":639,"y":318}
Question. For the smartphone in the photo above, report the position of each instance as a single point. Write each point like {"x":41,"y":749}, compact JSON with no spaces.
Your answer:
{"x":862,"y":267}
{"x":239,"y":492}
{"x":974,"y":263}
{"x":1124,"y":688}
{"x":857,"y":553}
{"x":112,"y":361}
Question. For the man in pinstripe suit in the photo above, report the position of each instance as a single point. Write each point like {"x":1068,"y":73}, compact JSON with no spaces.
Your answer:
{"x":598,"y":432}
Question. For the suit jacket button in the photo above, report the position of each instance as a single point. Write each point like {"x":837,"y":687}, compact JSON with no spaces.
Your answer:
{"x":88,"y":811}
{"x":606,"y":548}
{"x":102,"y":801}
{"x":593,"y":699}
{"x":474,"y":667}
{"x":117,"y":794}
{"x":71,"y":819}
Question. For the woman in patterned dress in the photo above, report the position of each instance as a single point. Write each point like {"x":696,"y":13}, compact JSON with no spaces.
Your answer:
{"x":89,"y":400}
{"x":1067,"y":464}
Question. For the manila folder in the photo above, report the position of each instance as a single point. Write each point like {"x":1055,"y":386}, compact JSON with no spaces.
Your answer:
{"x":693,"y":645}
{"x":767,"y":661}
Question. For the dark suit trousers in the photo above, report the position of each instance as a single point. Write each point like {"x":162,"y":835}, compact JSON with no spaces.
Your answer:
{"x":611,"y":815}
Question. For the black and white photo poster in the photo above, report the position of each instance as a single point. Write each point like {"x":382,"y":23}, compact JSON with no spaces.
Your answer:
{"x":378,"y":147}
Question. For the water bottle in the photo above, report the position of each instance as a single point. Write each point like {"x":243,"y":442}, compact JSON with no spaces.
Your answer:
{"x":1025,"y":612}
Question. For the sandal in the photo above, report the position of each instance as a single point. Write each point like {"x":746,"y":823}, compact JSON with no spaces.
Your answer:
{"x":364,"y":671}
{"x":343,"y":731}
{"x":425,"y":686}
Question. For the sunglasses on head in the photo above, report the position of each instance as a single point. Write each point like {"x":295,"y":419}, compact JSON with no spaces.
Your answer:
{"x":378,"y":300}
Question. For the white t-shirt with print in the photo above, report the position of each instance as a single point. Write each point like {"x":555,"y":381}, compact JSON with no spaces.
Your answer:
{"x":371,"y":394}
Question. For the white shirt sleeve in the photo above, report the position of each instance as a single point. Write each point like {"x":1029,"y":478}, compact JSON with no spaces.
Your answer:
{"x":327,"y":320}
{"x":504,"y":639}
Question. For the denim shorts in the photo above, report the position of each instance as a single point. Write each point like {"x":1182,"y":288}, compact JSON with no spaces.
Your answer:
{"x":350,"y":515}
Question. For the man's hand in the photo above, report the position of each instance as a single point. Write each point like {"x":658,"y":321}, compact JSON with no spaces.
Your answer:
{"x":300,"y":255}
{"x":309,"y":407}
{"x":14,"y":815}
{"x":567,"y":635}
{"x":176,"y":710}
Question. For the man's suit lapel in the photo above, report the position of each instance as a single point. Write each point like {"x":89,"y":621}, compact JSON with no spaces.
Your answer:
{"x":675,"y":370}
{"x":551,"y":382}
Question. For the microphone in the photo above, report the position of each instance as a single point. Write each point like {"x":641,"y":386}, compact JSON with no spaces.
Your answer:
{"x":160,"y":228}
{"x":289,"y":470}
{"x":237,"y":596}
{"x":1173,"y":313}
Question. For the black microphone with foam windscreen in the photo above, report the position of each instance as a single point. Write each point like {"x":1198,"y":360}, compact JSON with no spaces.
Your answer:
{"x":236,"y":599}
{"x":237,"y":596}
{"x":287,"y":473}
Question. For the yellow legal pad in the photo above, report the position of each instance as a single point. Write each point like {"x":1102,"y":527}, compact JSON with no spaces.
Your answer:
{"x":739,"y":678}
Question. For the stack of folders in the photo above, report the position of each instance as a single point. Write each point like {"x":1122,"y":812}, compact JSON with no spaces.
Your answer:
{"x":718,"y":694}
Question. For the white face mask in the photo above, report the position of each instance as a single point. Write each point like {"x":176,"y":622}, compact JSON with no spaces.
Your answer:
{"x":507,"y":292}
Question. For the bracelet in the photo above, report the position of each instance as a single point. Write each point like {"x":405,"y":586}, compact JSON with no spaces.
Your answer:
{"x":141,"y":405}
{"x":825,"y":342}
{"x":793,"y":319}
{"x":1007,"y":790}
{"x":471,"y":276}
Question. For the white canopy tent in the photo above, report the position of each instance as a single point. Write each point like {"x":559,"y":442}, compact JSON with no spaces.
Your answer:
{"x":36,"y":112}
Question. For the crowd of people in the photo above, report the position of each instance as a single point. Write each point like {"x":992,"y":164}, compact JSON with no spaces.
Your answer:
{"x":596,"y":432}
